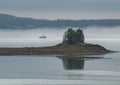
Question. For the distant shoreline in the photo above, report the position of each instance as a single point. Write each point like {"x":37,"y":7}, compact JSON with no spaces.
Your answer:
{"x":64,"y":50}
{"x":13,"y":22}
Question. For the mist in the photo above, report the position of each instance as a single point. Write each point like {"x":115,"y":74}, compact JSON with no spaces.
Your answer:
{"x":30,"y":38}
{"x":102,"y":33}
{"x":32,"y":33}
{"x":108,"y":37}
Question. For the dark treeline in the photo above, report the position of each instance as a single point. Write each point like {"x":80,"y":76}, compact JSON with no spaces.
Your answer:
{"x":73,"y":37}
{"x":9,"y":21}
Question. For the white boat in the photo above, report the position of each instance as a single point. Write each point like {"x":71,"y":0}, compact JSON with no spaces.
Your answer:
{"x":43,"y":36}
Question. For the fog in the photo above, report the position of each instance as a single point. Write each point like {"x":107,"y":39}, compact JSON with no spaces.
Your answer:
{"x":104,"y":36}
{"x":102,"y":33}
{"x":30,"y":38}
{"x":33,"y":33}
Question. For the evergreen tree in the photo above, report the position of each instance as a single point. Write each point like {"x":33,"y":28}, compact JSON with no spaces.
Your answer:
{"x":79,"y":35}
{"x":73,"y":36}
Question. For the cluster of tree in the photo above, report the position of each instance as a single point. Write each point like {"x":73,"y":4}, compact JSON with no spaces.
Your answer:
{"x":73,"y":36}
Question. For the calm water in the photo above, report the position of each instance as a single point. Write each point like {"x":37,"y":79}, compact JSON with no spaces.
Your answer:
{"x":53,"y":70}
{"x":50,"y":70}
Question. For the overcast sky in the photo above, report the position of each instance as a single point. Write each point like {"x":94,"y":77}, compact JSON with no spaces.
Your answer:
{"x":54,"y":9}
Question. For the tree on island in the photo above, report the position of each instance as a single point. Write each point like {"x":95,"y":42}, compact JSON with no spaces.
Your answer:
{"x":73,"y":36}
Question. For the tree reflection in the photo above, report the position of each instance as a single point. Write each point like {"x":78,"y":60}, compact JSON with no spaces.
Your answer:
{"x":73,"y":63}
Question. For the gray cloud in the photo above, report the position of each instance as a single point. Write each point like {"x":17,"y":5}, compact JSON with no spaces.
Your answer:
{"x":65,"y":9}
{"x":103,"y":5}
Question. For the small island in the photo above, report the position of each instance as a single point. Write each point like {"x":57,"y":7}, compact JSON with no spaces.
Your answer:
{"x":73,"y":45}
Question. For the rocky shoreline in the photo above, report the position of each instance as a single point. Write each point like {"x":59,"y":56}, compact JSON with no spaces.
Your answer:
{"x":66,"y":50}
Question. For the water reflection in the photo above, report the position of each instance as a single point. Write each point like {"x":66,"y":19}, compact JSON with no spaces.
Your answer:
{"x":73,"y":63}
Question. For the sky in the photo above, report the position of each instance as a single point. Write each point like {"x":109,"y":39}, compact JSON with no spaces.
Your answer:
{"x":62,"y":9}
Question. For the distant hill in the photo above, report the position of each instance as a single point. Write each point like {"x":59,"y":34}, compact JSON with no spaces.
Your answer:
{"x":12,"y":22}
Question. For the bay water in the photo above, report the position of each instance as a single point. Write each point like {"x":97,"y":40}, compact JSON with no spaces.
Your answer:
{"x":51,"y":70}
